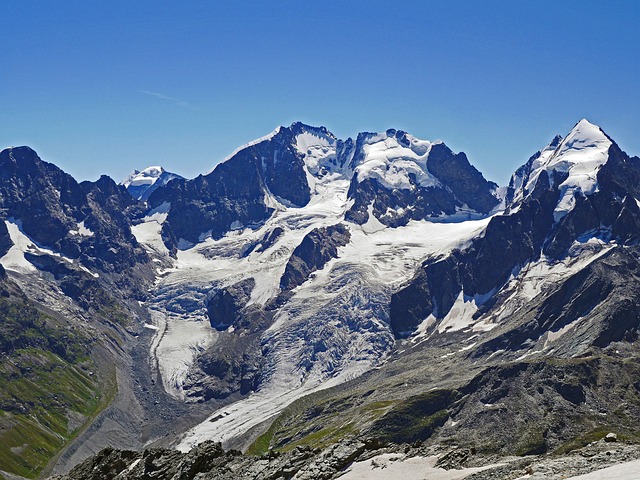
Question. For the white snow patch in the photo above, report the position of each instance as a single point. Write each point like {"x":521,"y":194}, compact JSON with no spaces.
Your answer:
{"x":393,"y":466}
{"x":460,"y":316}
{"x":622,"y":471}
{"x":14,"y":258}
{"x":84,"y":231}
{"x":148,"y":232}
{"x":372,"y":225}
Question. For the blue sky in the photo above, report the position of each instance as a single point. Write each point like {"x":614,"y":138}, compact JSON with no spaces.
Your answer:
{"x":106,"y":87}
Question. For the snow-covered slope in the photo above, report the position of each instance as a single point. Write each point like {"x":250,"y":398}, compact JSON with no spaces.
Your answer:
{"x":330,"y":329}
{"x":574,"y":162}
{"x":393,"y":159}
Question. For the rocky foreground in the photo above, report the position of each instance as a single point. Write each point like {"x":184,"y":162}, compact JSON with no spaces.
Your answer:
{"x":350,"y":460}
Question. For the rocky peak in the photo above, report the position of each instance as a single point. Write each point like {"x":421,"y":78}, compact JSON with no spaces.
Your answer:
{"x":53,"y":210}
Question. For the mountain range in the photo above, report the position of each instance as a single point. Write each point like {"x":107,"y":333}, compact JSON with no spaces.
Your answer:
{"x":322,"y":296}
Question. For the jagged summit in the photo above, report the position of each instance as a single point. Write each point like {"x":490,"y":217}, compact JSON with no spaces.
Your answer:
{"x":147,"y":176}
{"x":392,"y":177}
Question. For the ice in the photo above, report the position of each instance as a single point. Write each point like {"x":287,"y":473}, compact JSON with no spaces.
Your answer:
{"x":335,"y":326}
{"x":147,"y":232}
{"x":175,"y":347}
{"x":14,"y":258}
{"x":392,"y":164}
{"x":353,"y":288}
{"x":148,"y":176}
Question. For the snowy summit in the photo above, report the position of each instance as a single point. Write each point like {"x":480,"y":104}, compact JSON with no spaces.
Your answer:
{"x":140,"y":184}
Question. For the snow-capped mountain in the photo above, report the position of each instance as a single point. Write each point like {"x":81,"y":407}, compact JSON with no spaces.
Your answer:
{"x":392,"y":177}
{"x":386,"y":265}
{"x":142,"y":183}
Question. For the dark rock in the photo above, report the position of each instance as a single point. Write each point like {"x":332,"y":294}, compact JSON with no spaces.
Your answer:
{"x":225,"y":305}
{"x":51,"y":205}
{"x":234,"y":192}
{"x":465,"y":182}
{"x":509,"y":241}
{"x":268,"y":240}
{"x":316,"y":249}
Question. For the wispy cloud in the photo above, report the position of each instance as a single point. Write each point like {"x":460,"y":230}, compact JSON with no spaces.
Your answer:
{"x":176,"y":101}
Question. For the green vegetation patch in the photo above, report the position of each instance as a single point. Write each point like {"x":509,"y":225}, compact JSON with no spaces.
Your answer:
{"x":415,"y":418}
{"x":48,"y":390}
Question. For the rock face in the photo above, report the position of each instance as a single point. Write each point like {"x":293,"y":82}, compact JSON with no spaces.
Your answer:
{"x":87,"y":221}
{"x":397,"y":176}
{"x":317,"y":248}
{"x":237,"y":192}
{"x":226,"y":303}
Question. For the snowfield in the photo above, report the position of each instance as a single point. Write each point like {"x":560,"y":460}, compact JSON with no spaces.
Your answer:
{"x":335,"y":326}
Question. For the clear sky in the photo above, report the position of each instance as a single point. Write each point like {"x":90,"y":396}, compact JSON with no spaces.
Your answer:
{"x":106,"y":87}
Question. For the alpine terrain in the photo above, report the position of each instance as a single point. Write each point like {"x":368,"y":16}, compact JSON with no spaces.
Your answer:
{"x":316,"y":308}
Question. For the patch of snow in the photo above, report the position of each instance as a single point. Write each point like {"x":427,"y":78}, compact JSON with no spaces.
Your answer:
{"x":84,"y":231}
{"x":622,"y":471}
{"x":148,"y":232}
{"x":372,"y":225}
{"x":460,"y":316}
{"x":393,"y":466}
{"x":553,"y":336}
{"x":14,"y":259}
